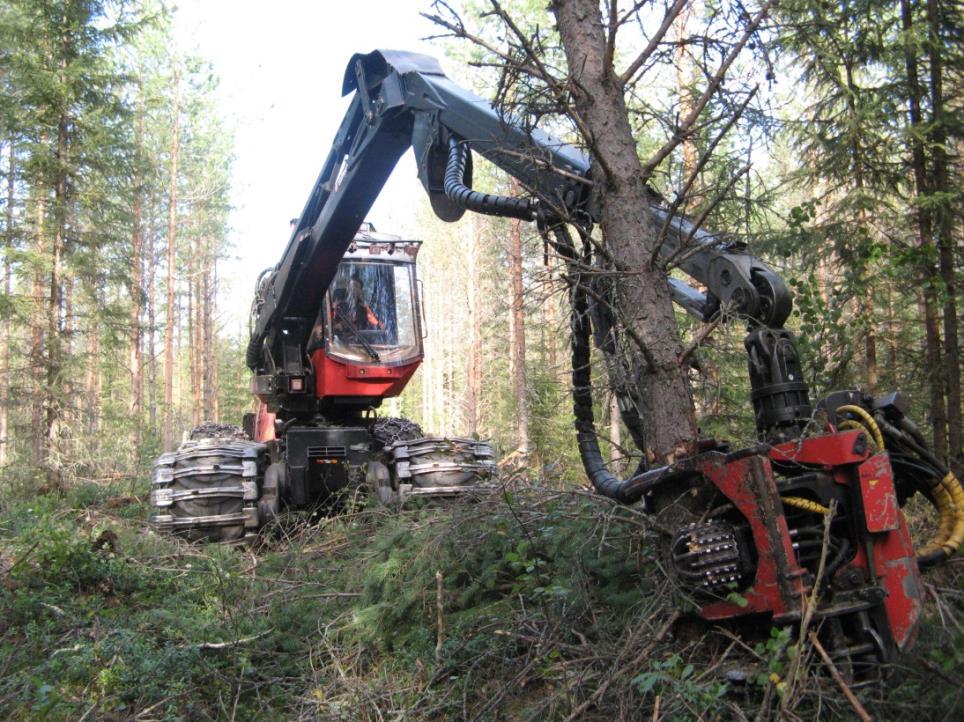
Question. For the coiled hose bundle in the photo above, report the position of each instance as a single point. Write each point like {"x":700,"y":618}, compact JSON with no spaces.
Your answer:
{"x":943,"y":488}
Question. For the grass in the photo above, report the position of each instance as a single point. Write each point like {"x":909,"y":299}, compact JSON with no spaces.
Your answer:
{"x":553,"y":603}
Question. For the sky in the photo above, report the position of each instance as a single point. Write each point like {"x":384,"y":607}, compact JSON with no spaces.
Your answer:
{"x":281,"y":65}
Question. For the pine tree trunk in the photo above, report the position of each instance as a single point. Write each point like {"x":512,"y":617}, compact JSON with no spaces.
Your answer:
{"x":92,"y":391}
{"x":152,"y":334}
{"x":5,"y":379}
{"x":193,"y":335}
{"x":473,"y":360}
{"x":54,"y":358}
{"x":642,"y":297}
{"x":520,"y":385}
{"x":426,"y":374}
{"x":170,"y":319}
{"x":37,"y":325}
{"x":136,"y":360}
{"x":208,"y":347}
{"x":685,"y":77}
{"x":929,"y":302}
{"x":944,"y":225}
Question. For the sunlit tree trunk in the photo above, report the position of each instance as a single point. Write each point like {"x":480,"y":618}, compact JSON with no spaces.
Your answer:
{"x":628,"y":232}
{"x":5,"y":338}
{"x":136,"y":360}
{"x":37,"y":323}
{"x":170,"y":318}
{"x":152,"y":333}
{"x":520,"y":385}
{"x":473,"y":387}
{"x":209,"y":346}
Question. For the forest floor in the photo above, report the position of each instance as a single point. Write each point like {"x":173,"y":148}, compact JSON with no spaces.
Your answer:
{"x":534,"y":604}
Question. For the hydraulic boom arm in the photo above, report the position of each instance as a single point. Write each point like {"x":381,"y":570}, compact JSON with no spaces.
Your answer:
{"x":404,"y":100}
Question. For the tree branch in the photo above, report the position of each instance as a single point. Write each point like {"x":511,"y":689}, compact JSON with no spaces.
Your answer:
{"x":684,"y":130}
{"x":654,"y":42}
{"x":704,"y":159}
{"x":685,"y":250}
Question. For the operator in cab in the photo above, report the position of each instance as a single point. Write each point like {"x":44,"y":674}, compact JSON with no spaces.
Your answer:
{"x":350,"y":310}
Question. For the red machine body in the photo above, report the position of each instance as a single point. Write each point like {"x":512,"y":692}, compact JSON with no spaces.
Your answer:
{"x":336,"y":378}
{"x":871,"y":597}
{"x":366,"y":341}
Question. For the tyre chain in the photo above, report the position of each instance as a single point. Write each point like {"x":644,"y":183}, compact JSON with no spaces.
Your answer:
{"x":212,"y":430}
{"x":392,"y":429}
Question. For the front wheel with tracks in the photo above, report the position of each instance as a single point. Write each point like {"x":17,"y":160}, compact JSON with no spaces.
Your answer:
{"x":207,"y":490}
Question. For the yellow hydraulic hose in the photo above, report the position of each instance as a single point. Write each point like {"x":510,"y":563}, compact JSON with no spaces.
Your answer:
{"x":947,"y":518}
{"x":868,"y":422}
{"x":851,"y":424}
{"x":800,"y":503}
{"x":948,"y":494}
{"x":953,"y":488}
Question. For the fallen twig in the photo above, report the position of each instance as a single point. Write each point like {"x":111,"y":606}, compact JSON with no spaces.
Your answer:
{"x":601,"y":689}
{"x":231,"y":643}
{"x":440,"y":615}
{"x":848,"y":693}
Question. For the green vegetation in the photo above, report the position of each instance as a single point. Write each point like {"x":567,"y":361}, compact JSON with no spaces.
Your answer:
{"x":553,"y":604}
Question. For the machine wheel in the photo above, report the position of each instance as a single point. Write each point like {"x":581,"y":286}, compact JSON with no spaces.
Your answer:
{"x":207,"y":490}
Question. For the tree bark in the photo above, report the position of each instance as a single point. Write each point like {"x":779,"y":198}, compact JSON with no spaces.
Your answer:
{"x":473,"y":359}
{"x":642,"y":296}
{"x":136,"y":360}
{"x":944,"y":225}
{"x":37,"y":321}
{"x":520,"y":385}
{"x":7,"y":288}
{"x":193,"y":333}
{"x":152,"y":334}
{"x":53,"y":360}
{"x":170,"y":319}
{"x":929,"y":304}
{"x":209,"y":346}
{"x":685,"y":76}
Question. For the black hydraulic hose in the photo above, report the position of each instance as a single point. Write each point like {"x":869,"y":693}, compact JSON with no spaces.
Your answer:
{"x":627,"y":491}
{"x":252,"y":355}
{"x":491,"y":205}
{"x":834,"y":564}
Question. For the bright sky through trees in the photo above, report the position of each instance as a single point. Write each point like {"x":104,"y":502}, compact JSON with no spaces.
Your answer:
{"x":281,"y":66}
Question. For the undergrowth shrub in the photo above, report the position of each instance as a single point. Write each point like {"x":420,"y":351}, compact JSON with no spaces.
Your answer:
{"x":553,"y":604}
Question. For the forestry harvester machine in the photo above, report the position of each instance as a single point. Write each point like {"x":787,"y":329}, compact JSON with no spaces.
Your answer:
{"x":811,"y":511}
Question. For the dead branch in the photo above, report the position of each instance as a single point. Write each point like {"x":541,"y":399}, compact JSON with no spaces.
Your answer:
{"x":848,"y":693}
{"x":232,"y":643}
{"x":654,"y":42}
{"x":684,"y":129}
{"x":440,"y":616}
{"x":701,"y":336}
{"x":601,"y":690}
